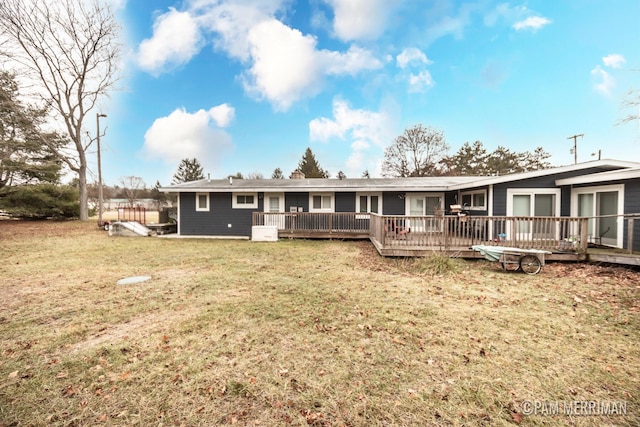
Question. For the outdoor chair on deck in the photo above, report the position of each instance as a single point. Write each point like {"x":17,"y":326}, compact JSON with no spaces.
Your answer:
{"x":391,"y":227}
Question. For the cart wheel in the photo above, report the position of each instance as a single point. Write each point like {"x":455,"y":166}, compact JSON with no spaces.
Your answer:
{"x":530,"y":264}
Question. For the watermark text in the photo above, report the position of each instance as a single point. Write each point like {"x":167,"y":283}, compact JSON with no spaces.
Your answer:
{"x":576,"y":408}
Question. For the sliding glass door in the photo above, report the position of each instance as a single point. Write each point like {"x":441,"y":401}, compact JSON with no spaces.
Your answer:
{"x":604,"y":207}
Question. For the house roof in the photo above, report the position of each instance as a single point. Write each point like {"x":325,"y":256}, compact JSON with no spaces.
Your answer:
{"x":608,"y":176}
{"x":440,"y":183}
{"x":436,"y":183}
{"x":615,"y":165}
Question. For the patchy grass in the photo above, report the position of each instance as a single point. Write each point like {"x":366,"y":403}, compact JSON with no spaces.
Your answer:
{"x":319,"y":333}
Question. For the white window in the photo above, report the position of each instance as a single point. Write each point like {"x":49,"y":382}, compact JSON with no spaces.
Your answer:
{"x":533,"y":202}
{"x":202,"y":202}
{"x":474,"y":200}
{"x":321,"y":202}
{"x":245,"y":201}
{"x":369,"y":203}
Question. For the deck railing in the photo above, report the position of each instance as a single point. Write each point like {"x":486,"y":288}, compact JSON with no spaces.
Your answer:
{"x":441,"y":231}
{"x":450,"y":232}
{"x":340,"y":224}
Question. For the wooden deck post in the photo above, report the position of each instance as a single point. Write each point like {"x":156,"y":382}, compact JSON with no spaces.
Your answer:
{"x":630,"y":235}
{"x":584,"y":234}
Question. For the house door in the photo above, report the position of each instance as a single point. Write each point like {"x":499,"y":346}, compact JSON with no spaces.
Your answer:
{"x":424,"y":205}
{"x":607,"y":223}
{"x":534,"y":205}
{"x":274,"y":204}
{"x":602,"y":208}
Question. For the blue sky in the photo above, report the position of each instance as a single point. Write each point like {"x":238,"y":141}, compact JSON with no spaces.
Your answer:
{"x":246,"y":85}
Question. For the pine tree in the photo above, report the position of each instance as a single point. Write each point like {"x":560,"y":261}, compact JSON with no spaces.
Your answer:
{"x":188,"y":170}
{"x":310,"y":167}
{"x":277,"y":174}
{"x":25,"y":156}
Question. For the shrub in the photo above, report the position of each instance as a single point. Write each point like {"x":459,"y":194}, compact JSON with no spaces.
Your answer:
{"x":40,"y":201}
{"x":434,"y":264}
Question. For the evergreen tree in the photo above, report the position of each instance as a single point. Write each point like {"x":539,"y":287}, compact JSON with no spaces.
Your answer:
{"x":341,"y":175}
{"x":24,"y":156}
{"x":40,"y":201}
{"x":277,"y":174}
{"x":310,"y":167}
{"x":469,"y":160}
{"x":188,"y":170}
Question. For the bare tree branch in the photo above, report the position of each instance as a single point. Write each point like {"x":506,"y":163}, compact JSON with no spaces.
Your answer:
{"x":70,"y":50}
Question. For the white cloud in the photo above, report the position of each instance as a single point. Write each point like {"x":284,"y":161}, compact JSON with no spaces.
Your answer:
{"x":284,"y":65}
{"x":182,"y":134}
{"x":420,"y":82}
{"x":223,"y":114}
{"x":365,"y":129}
{"x":507,"y":13}
{"x":231,"y":21}
{"x":443,"y":20}
{"x":412,"y":55}
{"x":352,"y":62}
{"x":176,"y":39}
{"x":360,"y":19}
{"x":604,"y":82}
{"x":531,"y":23}
{"x":614,"y":60}
{"x":287,"y":67}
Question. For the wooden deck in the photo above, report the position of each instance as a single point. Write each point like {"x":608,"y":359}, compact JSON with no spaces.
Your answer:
{"x":422,"y":235}
{"x":415,"y":236}
{"x":565,"y":237}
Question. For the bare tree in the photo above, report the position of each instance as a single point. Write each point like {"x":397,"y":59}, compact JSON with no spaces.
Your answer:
{"x":417,"y":152}
{"x":132,"y":185}
{"x":69,"y":49}
{"x":631,"y":102}
{"x":255,"y":175}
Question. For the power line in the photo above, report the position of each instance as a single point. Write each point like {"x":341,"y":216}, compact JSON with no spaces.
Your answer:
{"x":575,"y":145}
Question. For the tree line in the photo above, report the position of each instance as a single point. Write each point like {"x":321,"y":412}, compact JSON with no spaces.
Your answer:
{"x":423,"y":151}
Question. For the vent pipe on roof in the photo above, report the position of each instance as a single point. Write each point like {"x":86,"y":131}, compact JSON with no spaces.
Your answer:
{"x":230,"y":180}
{"x":208,"y":177}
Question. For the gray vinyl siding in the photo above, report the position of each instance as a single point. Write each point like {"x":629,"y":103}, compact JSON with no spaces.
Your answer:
{"x":632,"y":205}
{"x":547,"y":181}
{"x":215,"y":221}
{"x":299,"y":200}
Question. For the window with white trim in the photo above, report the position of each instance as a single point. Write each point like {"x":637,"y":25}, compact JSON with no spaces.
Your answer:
{"x":369,"y":203}
{"x":245,"y":201}
{"x":321,"y":202}
{"x":202,"y":202}
{"x":474,"y":200}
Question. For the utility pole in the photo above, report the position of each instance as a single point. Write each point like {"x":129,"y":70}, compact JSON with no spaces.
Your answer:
{"x":575,"y":146}
{"x":100,"y":201}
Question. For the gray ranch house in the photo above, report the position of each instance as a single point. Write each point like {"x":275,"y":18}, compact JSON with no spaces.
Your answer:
{"x":560,"y":209}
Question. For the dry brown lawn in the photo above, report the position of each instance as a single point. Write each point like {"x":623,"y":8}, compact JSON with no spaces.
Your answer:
{"x":297,"y":333}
